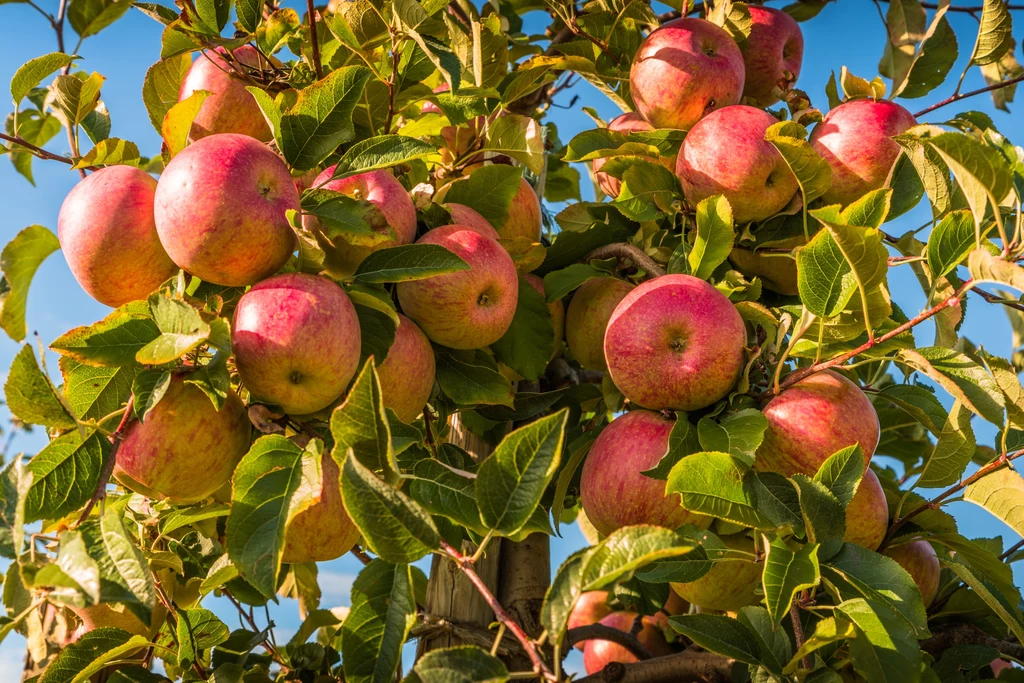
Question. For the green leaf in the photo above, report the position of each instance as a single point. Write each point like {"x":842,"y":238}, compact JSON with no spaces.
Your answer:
{"x":986,"y":267}
{"x":198,"y":630}
{"x":177,"y":122}
{"x":511,"y":481}
{"x":31,"y":396}
{"x":785,"y":574}
{"x":813,"y":174}
{"x":824,"y":277}
{"x":1001,"y":492}
{"x":738,"y":434}
{"x":884,"y":649}
{"x":529,"y":343}
{"x":714,"y":236}
{"x":488,"y":191}
{"x":719,"y":485}
{"x":274,"y":482}
{"x":471,"y":378}
{"x":383,"y":612}
{"x":519,"y":137}
{"x":952,"y":453}
{"x":94,"y":393}
{"x":31,"y":73}
{"x":408,"y":262}
{"x":1006,"y":610}
{"x":446,"y":491}
{"x":841,"y":473}
{"x":464,"y":664}
{"x":719,"y":634}
{"x":394,"y":526}
{"x":980,"y":170}
{"x":149,"y":388}
{"x":125,"y":576}
{"x":19,"y":261}
{"x":559,"y":283}
{"x":76,"y":97}
{"x":78,"y":661}
{"x":824,"y":516}
{"x":382,"y":151}
{"x":110,"y":152}
{"x":14,"y":484}
{"x":181,"y":327}
{"x":64,"y":474}
{"x":161,"y":87}
{"x":113,"y":341}
{"x":775,"y":645}
{"x":950,"y":243}
{"x":89,"y":17}
{"x":965,"y":380}
{"x":250,"y":14}
{"x":933,"y":61}
{"x":359,"y":424}
{"x":35,"y":127}
{"x":648,"y":189}
{"x":994,"y":33}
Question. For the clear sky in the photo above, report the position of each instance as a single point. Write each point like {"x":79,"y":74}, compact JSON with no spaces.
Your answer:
{"x":848,"y":33}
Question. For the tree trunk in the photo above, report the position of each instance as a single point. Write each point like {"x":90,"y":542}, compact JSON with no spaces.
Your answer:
{"x":523,"y":578}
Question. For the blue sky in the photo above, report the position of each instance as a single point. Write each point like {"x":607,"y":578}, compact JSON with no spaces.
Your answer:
{"x":848,"y":33}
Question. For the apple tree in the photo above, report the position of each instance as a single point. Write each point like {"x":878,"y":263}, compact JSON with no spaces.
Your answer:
{"x":346,"y":319}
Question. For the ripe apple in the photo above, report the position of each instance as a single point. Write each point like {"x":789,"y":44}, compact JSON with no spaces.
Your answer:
{"x":675,"y":605}
{"x":587,"y":318}
{"x":185,"y":449}
{"x":613,"y":491}
{"x":467,"y":309}
{"x":675,"y":342}
{"x":774,"y":47}
{"x":323,"y":531}
{"x":431,"y":108}
{"x":108,"y":236}
{"x":590,"y":608}
{"x":752,"y":175}
{"x":813,"y":419}
{"x":685,"y":70}
{"x":854,"y":138}
{"x":407,"y":374}
{"x":731,"y":583}
{"x":220,"y":210}
{"x":623,"y":123}
{"x":524,"y":218}
{"x":229,"y":108}
{"x":296,"y":341}
{"x":777,"y":271}
{"x":597,"y":654}
{"x":463,"y":215}
{"x":919,"y":560}
{"x":392,"y":212}
{"x":867,"y":515}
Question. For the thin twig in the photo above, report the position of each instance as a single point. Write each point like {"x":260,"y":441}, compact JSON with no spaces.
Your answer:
{"x":1012,"y":549}
{"x":37,"y":151}
{"x":683,"y":667}
{"x":392,"y":83}
{"x":965,"y":8}
{"x":252,"y":624}
{"x":962,"y":96}
{"x":314,"y":40}
{"x":621,"y":250}
{"x":361,"y":555}
{"x":108,"y":467}
{"x":798,"y":633}
{"x":602,"y":632}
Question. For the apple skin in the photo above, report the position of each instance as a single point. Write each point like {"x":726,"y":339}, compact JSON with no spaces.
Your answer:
{"x":407,"y":374}
{"x":220,"y":210}
{"x":753,"y":176}
{"x":590,"y":608}
{"x":613,"y":491}
{"x":675,"y":342}
{"x":186,"y":449}
{"x":229,"y":108}
{"x":597,"y":654}
{"x":108,"y":236}
{"x":813,"y":419}
{"x":777,"y":271}
{"x":296,"y":341}
{"x":919,"y":560}
{"x":730,"y":585}
{"x":685,"y":70}
{"x":867,"y":515}
{"x":524,"y":219}
{"x":623,"y":123}
{"x":393,"y":212}
{"x":463,"y":215}
{"x":323,"y":531}
{"x":775,"y":45}
{"x":587,"y":318}
{"x":854,"y":139}
{"x":467,"y":309}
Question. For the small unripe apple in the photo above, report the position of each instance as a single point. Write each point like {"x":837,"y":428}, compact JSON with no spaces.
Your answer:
{"x":323,"y":531}
{"x":467,"y":309}
{"x":109,"y":238}
{"x":752,"y":174}
{"x":587,"y":318}
{"x":730,"y":585}
{"x":590,"y":608}
{"x":685,"y":70}
{"x":407,"y":374}
{"x":675,"y":342}
{"x":814,"y":418}
{"x":777,"y":271}
{"x":613,"y":491}
{"x":463,"y":215}
{"x":855,"y":140}
{"x":597,"y":654}
{"x":774,"y":47}
{"x":296,"y":341}
{"x":524,"y":218}
{"x":919,"y":560}
{"x":221,"y":208}
{"x":229,"y":108}
{"x":867,"y":515}
{"x":185,"y":449}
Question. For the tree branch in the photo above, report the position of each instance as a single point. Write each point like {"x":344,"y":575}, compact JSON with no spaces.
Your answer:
{"x":34,"y":150}
{"x":602,"y":632}
{"x":962,"y":96}
{"x":108,"y":467}
{"x":684,"y":667}
{"x":964,"y":8}
{"x":623,"y":251}
{"x":314,"y":40}
{"x":952,"y":635}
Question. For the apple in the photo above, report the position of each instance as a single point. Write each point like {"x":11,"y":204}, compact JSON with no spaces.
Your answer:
{"x":431,"y":108}
{"x":391,"y":212}
{"x":613,"y":491}
{"x":867,"y":515}
{"x":623,"y":123}
{"x":590,"y":608}
{"x":597,"y":654}
{"x":919,"y":560}
{"x":854,"y":138}
{"x":730,"y":584}
{"x":752,"y":175}
{"x":323,"y":531}
{"x":229,"y":108}
{"x":777,"y":271}
{"x":685,"y":70}
{"x":675,"y":605}
{"x":220,"y":210}
{"x":185,"y":449}
{"x":814,"y":418}
{"x":467,"y":309}
{"x":675,"y":343}
{"x":587,"y":318}
{"x":108,"y":236}
{"x":407,"y":374}
{"x":772,"y":53}
{"x":463,"y":215}
{"x":115,"y":615}
{"x":524,"y":219}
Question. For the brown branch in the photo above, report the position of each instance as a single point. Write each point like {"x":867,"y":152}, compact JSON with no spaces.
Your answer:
{"x":798,"y":632}
{"x":1012,"y":549}
{"x":268,"y":646}
{"x":314,"y":40}
{"x":623,"y":251}
{"x":466,"y":566}
{"x":108,"y":467}
{"x":392,"y":82}
{"x":684,"y":667}
{"x":944,"y":637}
{"x":602,"y":632}
{"x":965,"y":8}
{"x":993,"y":299}
{"x":361,"y":555}
{"x":34,"y":150}
{"x":962,"y":96}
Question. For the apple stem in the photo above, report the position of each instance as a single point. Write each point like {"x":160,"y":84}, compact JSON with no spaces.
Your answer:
{"x":609,"y":633}
{"x":108,"y":466}
{"x":314,"y":40}
{"x":624,"y":251}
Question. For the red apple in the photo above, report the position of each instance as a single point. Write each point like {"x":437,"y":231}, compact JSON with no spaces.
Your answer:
{"x":431,"y":108}
{"x":185,"y":449}
{"x":296,"y":341}
{"x":867,"y":515}
{"x":813,"y":419}
{"x":407,"y":374}
{"x":463,"y":215}
{"x":587,"y":318}
{"x":777,"y":271}
{"x":590,"y":608}
{"x":524,"y":219}
{"x":919,"y":560}
{"x":323,"y":531}
{"x":854,"y":138}
{"x":685,"y":70}
{"x":772,"y":53}
{"x":229,"y":108}
{"x":220,"y":210}
{"x":597,"y":654}
{"x":731,"y":583}
{"x":675,"y":342}
{"x":108,"y":236}
{"x":467,"y":309}
{"x":752,"y":175}
{"x":613,"y":491}
{"x":624,"y":123}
